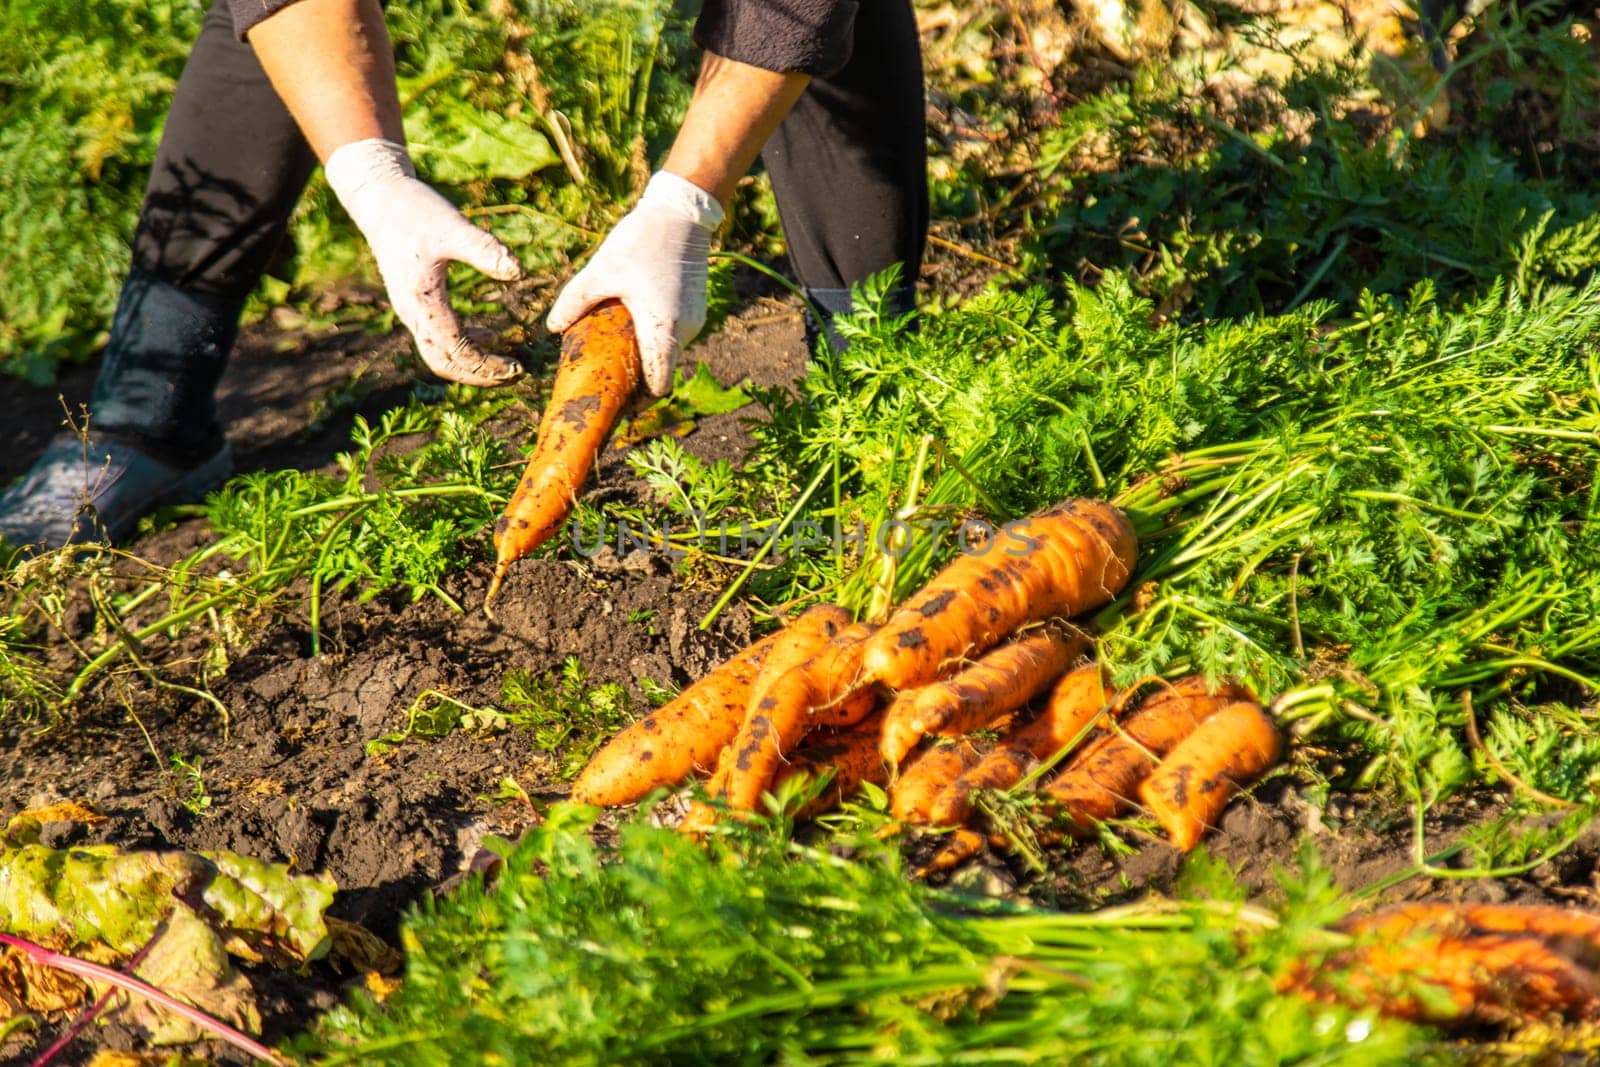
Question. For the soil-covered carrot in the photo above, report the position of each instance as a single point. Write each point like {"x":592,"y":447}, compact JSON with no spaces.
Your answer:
{"x":1063,"y":561}
{"x":1102,"y":781}
{"x":1189,"y":789}
{"x":678,"y":739}
{"x":1075,"y":702}
{"x":805,"y":637}
{"x":834,"y":669}
{"x":925,"y":776}
{"x":1546,"y":921}
{"x":1576,"y":926}
{"x":823,"y":691}
{"x":961,"y":845}
{"x":1454,"y":965}
{"x":1001,"y":681}
{"x":599,"y":371}
{"x":850,"y":756}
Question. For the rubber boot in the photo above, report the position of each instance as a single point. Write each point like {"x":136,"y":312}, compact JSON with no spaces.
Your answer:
{"x":158,"y":382}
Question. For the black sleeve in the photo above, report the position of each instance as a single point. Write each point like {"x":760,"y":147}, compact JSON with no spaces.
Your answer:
{"x":787,"y":36}
{"x":246,"y":13}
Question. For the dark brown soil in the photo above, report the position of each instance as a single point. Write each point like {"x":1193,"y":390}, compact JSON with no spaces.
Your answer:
{"x":288,"y":777}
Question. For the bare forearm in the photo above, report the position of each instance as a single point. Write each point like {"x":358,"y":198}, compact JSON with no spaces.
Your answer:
{"x":330,"y":62}
{"x":734,"y":110}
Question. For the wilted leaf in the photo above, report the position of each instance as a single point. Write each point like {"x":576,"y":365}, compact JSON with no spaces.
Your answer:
{"x":691,"y":398}
{"x":26,"y":988}
{"x":63,"y":811}
{"x":98,"y":893}
{"x":363,"y":949}
{"x":191,"y":909}
{"x":189,"y":962}
{"x":117,"y":1058}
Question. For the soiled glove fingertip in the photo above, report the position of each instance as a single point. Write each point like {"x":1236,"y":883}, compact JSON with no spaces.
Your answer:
{"x":657,"y":354}
{"x":509,"y":269}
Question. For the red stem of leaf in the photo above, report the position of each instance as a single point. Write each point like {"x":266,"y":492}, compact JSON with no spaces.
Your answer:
{"x":99,"y":972}
{"x":87,"y":1016}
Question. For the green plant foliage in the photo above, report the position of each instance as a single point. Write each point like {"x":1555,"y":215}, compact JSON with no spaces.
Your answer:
{"x":762,"y":950}
{"x":1386,"y":513}
{"x":1226,"y":191}
{"x":569,"y":716}
{"x":83,"y":88}
{"x":102,"y":894}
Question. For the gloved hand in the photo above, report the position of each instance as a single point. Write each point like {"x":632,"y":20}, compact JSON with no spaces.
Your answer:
{"x":415,"y":234}
{"x":655,"y":262}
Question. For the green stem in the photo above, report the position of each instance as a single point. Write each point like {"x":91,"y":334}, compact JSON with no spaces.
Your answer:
{"x":766,"y":546}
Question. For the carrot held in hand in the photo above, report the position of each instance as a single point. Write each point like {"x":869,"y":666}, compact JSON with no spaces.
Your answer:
{"x":1189,"y":789}
{"x":1001,"y":681}
{"x":1076,"y":701}
{"x":1063,"y":561}
{"x":1102,"y":781}
{"x":598,"y":373}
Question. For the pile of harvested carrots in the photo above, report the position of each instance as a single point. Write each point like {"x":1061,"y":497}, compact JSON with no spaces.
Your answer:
{"x":968,"y":685}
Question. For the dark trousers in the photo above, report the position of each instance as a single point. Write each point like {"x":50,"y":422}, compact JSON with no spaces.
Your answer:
{"x":848,"y":168}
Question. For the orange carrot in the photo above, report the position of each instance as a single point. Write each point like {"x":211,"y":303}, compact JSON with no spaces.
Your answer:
{"x":824,"y":690}
{"x":807,"y":635}
{"x":1578,"y":928}
{"x":1546,"y":921}
{"x":1001,"y":681}
{"x":1101,"y":781}
{"x":1452,"y":965}
{"x":926,"y":775}
{"x":832,"y":671}
{"x":685,"y":735}
{"x":599,"y":371}
{"x":850,"y":755}
{"x":1188,"y":791}
{"x":1063,"y":561}
{"x":1076,"y":701}
{"x":961,"y":845}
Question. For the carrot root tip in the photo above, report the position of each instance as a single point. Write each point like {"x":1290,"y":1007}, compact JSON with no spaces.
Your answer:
{"x":494,"y":591}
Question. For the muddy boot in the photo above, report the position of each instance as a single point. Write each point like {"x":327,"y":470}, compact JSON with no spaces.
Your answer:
{"x":829,"y":303}
{"x":97,"y":488}
{"x":153,"y":437}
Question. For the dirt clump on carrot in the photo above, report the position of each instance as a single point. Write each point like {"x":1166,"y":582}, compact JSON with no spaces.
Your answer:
{"x":598,"y":374}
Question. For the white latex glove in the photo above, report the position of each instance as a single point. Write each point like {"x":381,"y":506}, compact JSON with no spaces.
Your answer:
{"x":655,"y":262}
{"x":415,"y":234}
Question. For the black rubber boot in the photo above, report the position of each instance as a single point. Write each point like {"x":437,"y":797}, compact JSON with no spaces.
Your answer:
{"x":158,"y":382}
{"x":830,"y":303}
{"x":152,"y":438}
